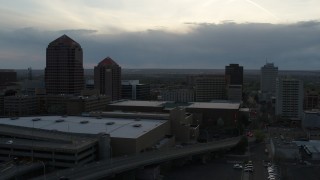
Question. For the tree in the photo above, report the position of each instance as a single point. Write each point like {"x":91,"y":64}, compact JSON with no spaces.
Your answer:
{"x":259,"y":135}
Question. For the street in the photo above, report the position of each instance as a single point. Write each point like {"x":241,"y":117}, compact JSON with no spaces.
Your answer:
{"x":222,"y":168}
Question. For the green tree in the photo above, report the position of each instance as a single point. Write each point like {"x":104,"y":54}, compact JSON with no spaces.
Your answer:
{"x":259,"y":135}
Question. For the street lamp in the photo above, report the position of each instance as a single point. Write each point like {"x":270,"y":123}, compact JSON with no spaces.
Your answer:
{"x":44,"y":169}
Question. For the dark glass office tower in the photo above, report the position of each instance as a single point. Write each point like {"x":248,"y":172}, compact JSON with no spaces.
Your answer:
{"x":64,"y":67}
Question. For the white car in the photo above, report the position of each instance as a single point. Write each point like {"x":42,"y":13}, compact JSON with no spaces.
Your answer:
{"x":9,"y":142}
{"x":237,"y":166}
{"x":248,"y":169}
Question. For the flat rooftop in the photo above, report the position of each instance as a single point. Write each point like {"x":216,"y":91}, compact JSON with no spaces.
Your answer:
{"x":312,"y":145}
{"x":139,"y":103}
{"x":214,"y":105}
{"x":116,"y":127}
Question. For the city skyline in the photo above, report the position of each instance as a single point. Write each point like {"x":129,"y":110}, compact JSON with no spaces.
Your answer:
{"x":151,"y":34}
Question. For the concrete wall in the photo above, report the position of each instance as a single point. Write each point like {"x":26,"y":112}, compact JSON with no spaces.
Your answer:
{"x":111,"y":107}
{"x":150,"y":138}
{"x":210,"y":116}
{"x":127,"y":146}
{"x":123,"y":146}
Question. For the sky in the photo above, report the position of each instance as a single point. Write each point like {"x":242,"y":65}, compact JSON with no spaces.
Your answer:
{"x":180,"y":34}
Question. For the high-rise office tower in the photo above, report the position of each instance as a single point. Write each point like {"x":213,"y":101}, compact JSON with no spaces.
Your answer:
{"x":64,"y":67}
{"x":7,"y":77}
{"x":235,"y":73}
{"x":269,"y":74}
{"x":289,"y":94}
{"x":107,"y":78}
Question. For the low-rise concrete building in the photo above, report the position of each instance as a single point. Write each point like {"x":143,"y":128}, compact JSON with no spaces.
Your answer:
{"x":183,"y":126}
{"x":20,"y":105}
{"x":136,"y":106}
{"x":311,"y":148}
{"x":83,"y":104}
{"x":128,"y":136}
{"x":178,"y":95}
{"x":311,"y":119}
{"x":212,"y":114}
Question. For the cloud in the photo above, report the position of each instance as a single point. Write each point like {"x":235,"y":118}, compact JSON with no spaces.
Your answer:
{"x":205,"y":45}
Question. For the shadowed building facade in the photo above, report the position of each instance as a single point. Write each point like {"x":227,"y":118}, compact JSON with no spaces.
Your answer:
{"x":107,"y":78}
{"x":235,"y":73}
{"x":64,"y":67}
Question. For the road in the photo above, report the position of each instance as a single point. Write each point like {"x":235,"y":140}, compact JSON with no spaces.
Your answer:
{"x":107,"y":168}
{"x":222,"y":168}
{"x":257,"y":155}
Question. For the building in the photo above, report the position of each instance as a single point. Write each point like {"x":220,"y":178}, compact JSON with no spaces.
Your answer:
{"x":132,"y":89}
{"x":311,"y":148}
{"x":90,"y":84}
{"x":85,"y":104}
{"x":54,"y":148}
{"x":72,"y":105}
{"x":205,"y":114}
{"x":178,"y":95}
{"x":7,"y":77}
{"x":289,"y":98}
{"x":282,"y":144}
{"x":235,"y":73}
{"x":183,"y":126}
{"x":127,"y":136}
{"x":107,"y":78}
{"x":311,"y":100}
{"x":211,"y":87}
{"x":1,"y":104}
{"x":31,"y":87}
{"x":215,"y":114}
{"x":137,"y":106}
{"x":235,"y":93}
{"x":20,"y":105}
{"x":269,"y":74}
{"x":64,"y":67}
{"x":311,"y":119}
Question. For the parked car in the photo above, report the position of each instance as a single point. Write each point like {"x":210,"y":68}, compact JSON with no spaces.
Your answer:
{"x":248,"y":169}
{"x":237,"y":166}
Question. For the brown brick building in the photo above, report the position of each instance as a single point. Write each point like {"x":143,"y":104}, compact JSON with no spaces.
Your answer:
{"x":107,"y":78}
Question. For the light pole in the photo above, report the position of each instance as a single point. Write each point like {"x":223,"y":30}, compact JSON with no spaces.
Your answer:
{"x":44,"y":169}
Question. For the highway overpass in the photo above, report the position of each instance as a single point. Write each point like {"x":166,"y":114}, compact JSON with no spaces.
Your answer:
{"x":108,"y":168}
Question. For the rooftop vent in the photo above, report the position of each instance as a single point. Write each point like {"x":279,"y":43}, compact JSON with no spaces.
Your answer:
{"x":136,"y":125}
{"x":109,"y":123}
{"x":59,"y":120}
{"x":84,"y":122}
{"x":36,"y":119}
